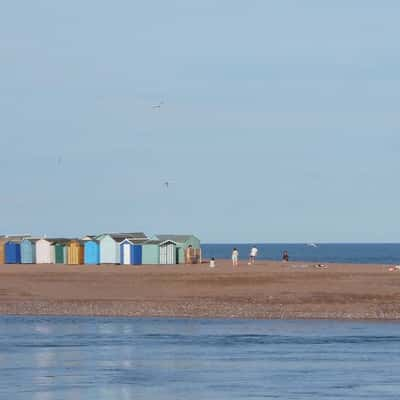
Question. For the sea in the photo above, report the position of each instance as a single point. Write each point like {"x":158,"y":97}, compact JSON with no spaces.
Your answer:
{"x":84,"y":358}
{"x":349,"y":253}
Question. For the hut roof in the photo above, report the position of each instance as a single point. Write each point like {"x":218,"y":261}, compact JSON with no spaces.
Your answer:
{"x":174,"y":238}
{"x":168,"y":241}
{"x":11,"y":238}
{"x":89,"y":237}
{"x":59,"y":240}
{"x":134,"y":236}
{"x":151,"y":241}
{"x":82,"y":242}
{"x":32,"y":240}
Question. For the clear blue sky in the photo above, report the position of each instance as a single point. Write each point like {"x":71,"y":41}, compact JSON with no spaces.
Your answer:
{"x":280,"y":123}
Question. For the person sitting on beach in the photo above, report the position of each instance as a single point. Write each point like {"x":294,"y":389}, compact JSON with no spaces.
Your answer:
{"x":235,"y":257}
{"x":212,"y":262}
{"x":253,"y":254}
{"x":285,"y":256}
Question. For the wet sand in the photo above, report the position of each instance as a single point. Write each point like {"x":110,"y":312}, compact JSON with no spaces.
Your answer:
{"x":268,"y":290}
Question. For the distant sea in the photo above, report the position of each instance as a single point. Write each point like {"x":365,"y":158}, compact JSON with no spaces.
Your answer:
{"x":357,"y":253}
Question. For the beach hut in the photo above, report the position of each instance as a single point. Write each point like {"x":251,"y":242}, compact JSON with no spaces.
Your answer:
{"x":109,"y":245}
{"x":59,"y":251}
{"x":168,"y":252}
{"x":109,"y":248}
{"x":137,"y":254}
{"x":126,"y":252}
{"x":43,"y":251}
{"x":28,"y":251}
{"x":74,"y":252}
{"x":91,"y":252}
{"x":9,"y":238}
{"x":12,"y":252}
{"x":2,"y":255}
{"x":183,"y":243}
{"x":151,"y":252}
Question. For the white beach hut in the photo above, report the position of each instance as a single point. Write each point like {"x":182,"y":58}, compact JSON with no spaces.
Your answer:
{"x":109,"y":249}
{"x":43,"y":251}
{"x":126,"y":252}
{"x":168,"y":252}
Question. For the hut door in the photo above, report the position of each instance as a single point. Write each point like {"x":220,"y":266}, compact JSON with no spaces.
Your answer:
{"x":170,"y":253}
{"x":163,"y":254}
{"x":59,"y":250}
{"x":126,"y":253}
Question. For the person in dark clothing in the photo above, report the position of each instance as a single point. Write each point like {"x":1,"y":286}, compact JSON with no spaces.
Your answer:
{"x":285,"y":256}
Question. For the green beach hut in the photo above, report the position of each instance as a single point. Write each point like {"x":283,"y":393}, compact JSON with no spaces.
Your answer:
{"x":182,"y":244}
{"x":59,"y":250}
{"x":151,"y":252}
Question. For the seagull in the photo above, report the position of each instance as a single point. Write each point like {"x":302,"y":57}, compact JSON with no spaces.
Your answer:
{"x":167,"y":183}
{"x":157,"y":106}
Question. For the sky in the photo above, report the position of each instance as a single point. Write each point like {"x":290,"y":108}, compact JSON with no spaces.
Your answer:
{"x":279,"y":123}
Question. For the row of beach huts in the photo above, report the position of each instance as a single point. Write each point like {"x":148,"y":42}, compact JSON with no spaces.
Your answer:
{"x":134,"y":248}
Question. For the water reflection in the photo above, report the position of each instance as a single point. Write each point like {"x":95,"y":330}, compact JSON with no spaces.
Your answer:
{"x":103,"y":358}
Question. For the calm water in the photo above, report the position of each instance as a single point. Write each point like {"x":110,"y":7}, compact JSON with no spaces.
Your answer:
{"x":104,"y":358}
{"x":372,"y":253}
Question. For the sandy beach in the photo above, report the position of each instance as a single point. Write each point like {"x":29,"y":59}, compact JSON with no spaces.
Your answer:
{"x":268,"y":290}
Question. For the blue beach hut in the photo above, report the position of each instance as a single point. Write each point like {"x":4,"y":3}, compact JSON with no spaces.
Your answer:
{"x":28,"y":251}
{"x":137,"y":254}
{"x":12,"y":253}
{"x":91,"y":252}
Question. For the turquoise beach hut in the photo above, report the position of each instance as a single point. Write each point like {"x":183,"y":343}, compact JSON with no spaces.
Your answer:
{"x":28,"y":252}
{"x":91,"y":252}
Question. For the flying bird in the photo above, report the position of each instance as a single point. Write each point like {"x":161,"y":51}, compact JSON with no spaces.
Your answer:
{"x":167,"y":184}
{"x":157,"y":106}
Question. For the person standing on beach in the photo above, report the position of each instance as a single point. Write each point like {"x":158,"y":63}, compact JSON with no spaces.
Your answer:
{"x":189,"y":255}
{"x":235,"y":257}
{"x":285,"y":256}
{"x":253,"y":255}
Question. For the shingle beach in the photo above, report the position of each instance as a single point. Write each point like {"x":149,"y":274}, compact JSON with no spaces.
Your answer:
{"x":269,"y":290}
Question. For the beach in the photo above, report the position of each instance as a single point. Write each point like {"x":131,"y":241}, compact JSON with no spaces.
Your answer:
{"x":268,"y":290}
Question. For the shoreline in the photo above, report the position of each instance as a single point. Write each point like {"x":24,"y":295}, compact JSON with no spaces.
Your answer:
{"x":200,"y":318}
{"x":268,"y":290}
